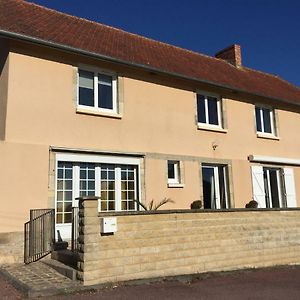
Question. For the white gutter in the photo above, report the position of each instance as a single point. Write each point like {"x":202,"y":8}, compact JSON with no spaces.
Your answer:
{"x":272,"y":159}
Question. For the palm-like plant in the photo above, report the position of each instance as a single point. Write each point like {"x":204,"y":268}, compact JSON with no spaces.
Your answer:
{"x":153,"y":206}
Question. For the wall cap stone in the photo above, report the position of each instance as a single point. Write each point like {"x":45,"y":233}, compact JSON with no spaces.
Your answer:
{"x":192,"y":211}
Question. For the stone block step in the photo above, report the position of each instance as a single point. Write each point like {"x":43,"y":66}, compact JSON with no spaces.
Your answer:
{"x":61,"y":268}
{"x":66,"y":257}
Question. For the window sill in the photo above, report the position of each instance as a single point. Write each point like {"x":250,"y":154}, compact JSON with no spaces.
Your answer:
{"x":267,"y":136}
{"x":98,"y":113}
{"x":211,"y":128}
{"x":175,"y":185}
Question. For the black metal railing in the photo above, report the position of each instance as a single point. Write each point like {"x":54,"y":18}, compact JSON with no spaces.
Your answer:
{"x":39,"y":234}
{"x":75,"y":228}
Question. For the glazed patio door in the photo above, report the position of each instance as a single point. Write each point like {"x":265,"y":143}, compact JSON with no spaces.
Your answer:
{"x":215,"y":190}
{"x":273,"y":187}
{"x":115,"y":184}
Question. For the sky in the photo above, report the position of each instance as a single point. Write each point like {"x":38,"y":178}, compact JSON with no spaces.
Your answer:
{"x":267,"y":30}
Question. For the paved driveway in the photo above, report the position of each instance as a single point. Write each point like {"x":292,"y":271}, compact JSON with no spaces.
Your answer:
{"x":274,"y":283}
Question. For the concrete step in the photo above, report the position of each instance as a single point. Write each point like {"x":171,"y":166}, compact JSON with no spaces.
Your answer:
{"x":61,"y":268}
{"x":66,"y":257}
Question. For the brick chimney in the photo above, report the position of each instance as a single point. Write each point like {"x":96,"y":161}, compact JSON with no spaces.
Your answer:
{"x":232,"y":54}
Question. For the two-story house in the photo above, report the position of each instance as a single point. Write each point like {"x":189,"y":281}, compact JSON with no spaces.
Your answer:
{"x":87,"y":109}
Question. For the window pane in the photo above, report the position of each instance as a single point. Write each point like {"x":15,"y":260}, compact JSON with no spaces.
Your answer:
{"x":104,"y":185}
{"x":68,"y":207}
{"x":68,"y":184}
{"x":59,"y":206}
{"x":105,"y":99}
{"x":60,"y":196}
{"x":131,"y":205}
{"x":130,"y":195}
{"x":111,"y":205}
{"x":59,"y":218}
{"x":103,"y":205}
{"x":86,"y":88}
{"x":82,"y":185}
{"x":171,"y":170}
{"x":201,"y":109}
{"x":213,"y":110}
{"x":267,"y":120}
{"x":104,"y":195}
{"x":131,"y":185}
{"x":68,"y":218}
{"x":68,"y":196}
{"x":111,"y":185}
{"x":124,"y":205}
{"x":258,"y":119}
{"x":91,"y":185}
{"x":60,"y":173}
{"x":130,"y":175}
{"x":60,"y":184}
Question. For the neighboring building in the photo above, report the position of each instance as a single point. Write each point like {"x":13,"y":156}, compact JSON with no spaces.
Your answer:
{"x":89,"y":109}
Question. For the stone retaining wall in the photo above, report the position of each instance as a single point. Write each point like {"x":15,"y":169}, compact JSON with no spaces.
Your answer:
{"x":11,"y":247}
{"x":155,"y":245}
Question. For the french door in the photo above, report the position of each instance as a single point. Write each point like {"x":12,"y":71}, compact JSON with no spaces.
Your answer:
{"x":215,"y":187}
{"x":116,"y":184}
{"x":273,"y":187}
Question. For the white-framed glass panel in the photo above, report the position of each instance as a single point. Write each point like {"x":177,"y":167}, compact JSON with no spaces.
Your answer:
{"x":114,"y":179}
{"x":215,"y":187}
{"x":209,"y":110}
{"x":128,"y":188}
{"x":173,"y":171}
{"x":115,"y":184}
{"x":64,"y":192}
{"x":265,"y":121}
{"x":108,"y":188}
{"x":87,"y":179}
{"x":97,"y":91}
{"x":273,"y":183}
{"x":86,"y":92}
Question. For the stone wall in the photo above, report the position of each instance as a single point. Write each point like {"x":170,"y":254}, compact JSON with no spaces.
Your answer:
{"x":11,"y":247}
{"x":155,"y":245}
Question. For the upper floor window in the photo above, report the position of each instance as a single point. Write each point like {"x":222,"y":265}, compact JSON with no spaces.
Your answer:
{"x":209,"y":110}
{"x":97,"y":91}
{"x":173,"y":171}
{"x":265,"y":122}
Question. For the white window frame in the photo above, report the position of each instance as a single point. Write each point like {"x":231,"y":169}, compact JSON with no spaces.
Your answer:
{"x":95,"y":108}
{"x":219,"y":110}
{"x":272,"y":120}
{"x":215,"y":169}
{"x":279,"y":171}
{"x":82,"y":158}
{"x":176,"y":165}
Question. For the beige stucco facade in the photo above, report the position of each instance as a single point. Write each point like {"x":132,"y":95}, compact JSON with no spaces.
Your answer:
{"x":157,"y":121}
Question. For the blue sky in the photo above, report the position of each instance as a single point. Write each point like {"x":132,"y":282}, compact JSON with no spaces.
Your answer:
{"x":267,"y":30}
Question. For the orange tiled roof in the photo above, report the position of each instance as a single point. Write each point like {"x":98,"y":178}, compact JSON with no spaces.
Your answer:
{"x":34,"y":21}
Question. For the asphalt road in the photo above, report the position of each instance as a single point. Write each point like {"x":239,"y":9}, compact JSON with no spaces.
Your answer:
{"x":274,"y":283}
